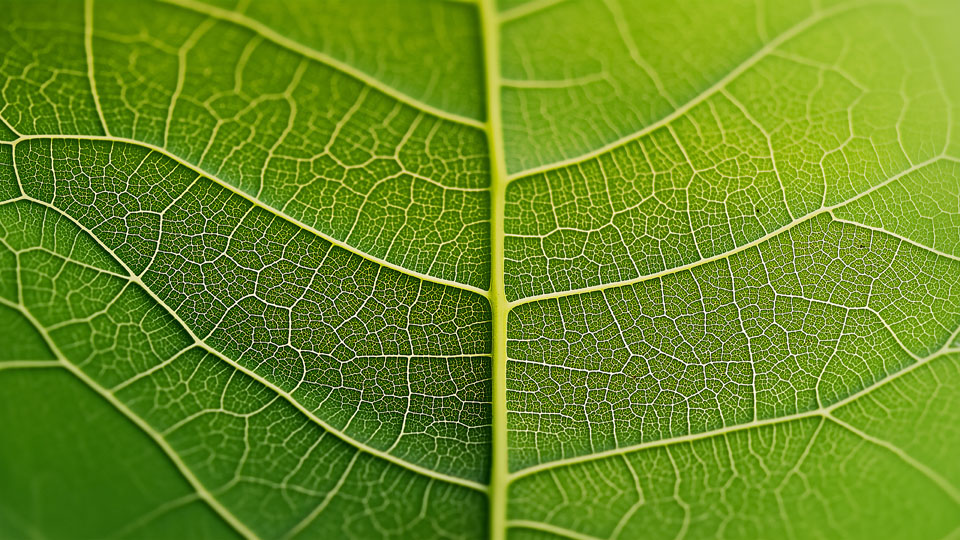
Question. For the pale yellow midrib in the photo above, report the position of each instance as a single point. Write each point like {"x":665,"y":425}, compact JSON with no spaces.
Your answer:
{"x":499,"y":306}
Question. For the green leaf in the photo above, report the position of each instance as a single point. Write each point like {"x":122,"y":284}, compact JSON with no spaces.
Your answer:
{"x":436,"y":268}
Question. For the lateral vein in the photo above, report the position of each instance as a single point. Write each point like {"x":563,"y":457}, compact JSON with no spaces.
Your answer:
{"x":276,"y":389}
{"x":740,"y":248}
{"x":257,"y":202}
{"x":295,"y":46}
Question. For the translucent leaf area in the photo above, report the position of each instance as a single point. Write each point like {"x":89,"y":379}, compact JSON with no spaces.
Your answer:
{"x":526,"y":269}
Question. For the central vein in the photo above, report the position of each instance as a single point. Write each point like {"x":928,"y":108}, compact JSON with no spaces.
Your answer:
{"x":499,"y":471}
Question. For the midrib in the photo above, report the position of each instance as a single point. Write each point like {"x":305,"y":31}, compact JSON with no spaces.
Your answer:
{"x":499,"y":307}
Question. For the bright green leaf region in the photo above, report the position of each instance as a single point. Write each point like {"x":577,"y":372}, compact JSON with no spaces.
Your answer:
{"x":527,"y":269}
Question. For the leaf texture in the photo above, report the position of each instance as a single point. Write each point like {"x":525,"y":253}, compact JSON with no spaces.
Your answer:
{"x":443,"y":269}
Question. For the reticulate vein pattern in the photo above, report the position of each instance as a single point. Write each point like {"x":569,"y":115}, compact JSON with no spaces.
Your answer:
{"x":515,"y":268}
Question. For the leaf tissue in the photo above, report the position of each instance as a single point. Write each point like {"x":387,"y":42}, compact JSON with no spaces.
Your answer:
{"x":587,"y":269}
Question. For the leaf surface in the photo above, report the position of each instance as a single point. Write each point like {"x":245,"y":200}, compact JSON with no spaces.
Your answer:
{"x":555,"y":268}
